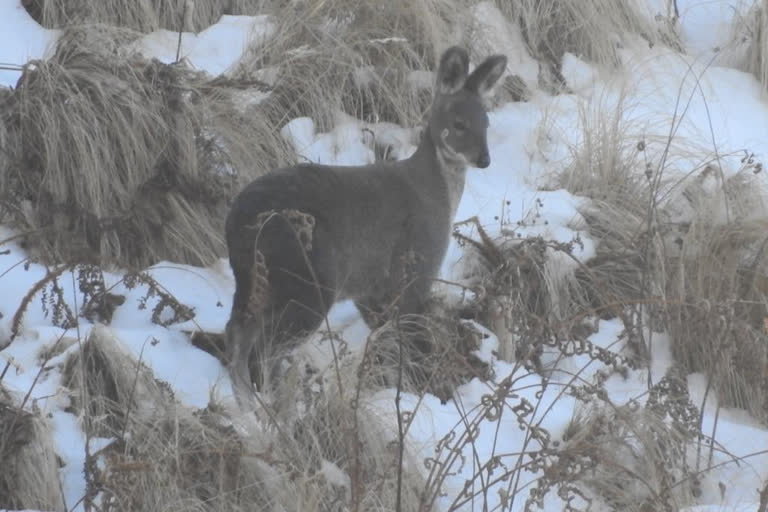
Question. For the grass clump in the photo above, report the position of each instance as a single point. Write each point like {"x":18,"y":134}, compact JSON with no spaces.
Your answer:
{"x":747,"y":48}
{"x":639,"y":455}
{"x":141,"y":15}
{"x":124,"y":161}
{"x":681,"y":250}
{"x":321,"y":448}
{"x":591,"y":30}
{"x":177,"y":459}
{"x":109,"y":386}
{"x":30,"y":478}
{"x":364,"y":58}
{"x":718,"y":301}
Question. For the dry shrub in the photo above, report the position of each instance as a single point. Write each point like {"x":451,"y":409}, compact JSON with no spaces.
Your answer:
{"x":701,"y":280}
{"x":29,"y":478}
{"x":437,"y":355}
{"x":355,"y":57}
{"x":120,"y":160}
{"x":521,"y":291}
{"x":142,"y":15}
{"x":639,"y":454}
{"x":590,"y":29}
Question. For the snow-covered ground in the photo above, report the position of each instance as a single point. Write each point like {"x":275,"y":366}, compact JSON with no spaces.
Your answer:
{"x":726,"y":114}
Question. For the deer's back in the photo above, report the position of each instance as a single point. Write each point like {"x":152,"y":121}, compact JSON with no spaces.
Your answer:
{"x":369,"y":215}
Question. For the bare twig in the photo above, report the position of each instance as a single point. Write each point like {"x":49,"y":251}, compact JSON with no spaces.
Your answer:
{"x":133,"y":391}
{"x":400,"y":432}
{"x":181,"y":31}
{"x":763,"y":499}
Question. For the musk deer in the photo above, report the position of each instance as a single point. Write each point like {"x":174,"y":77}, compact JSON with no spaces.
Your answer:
{"x":303,"y":237}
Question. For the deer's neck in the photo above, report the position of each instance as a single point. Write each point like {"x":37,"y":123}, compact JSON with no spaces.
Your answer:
{"x":449,"y":170}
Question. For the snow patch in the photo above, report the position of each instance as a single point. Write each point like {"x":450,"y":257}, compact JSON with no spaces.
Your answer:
{"x":22,"y":39}
{"x":216,"y":50}
{"x":579,"y":75}
{"x":494,"y":34}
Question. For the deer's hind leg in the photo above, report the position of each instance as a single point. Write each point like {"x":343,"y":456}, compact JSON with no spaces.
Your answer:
{"x":244,"y":325}
{"x":298,"y":291}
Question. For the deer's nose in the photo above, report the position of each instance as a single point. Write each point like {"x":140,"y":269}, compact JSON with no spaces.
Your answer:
{"x":484,"y":160}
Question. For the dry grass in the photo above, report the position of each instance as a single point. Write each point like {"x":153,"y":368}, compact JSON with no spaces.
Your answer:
{"x":360,"y":56}
{"x":641,"y":454}
{"x":163,"y":456}
{"x":609,"y":168}
{"x":121,"y":160}
{"x":142,"y":15}
{"x":592,"y":30}
{"x":718,"y":300}
{"x":109,"y":385}
{"x":177,"y":459}
{"x":342,"y":428}
{"x":30,"y":478}
{"x":330,"y":450}
{"x":749,"y":42}
{"x":680,"y":251}
{"x":437,"y":355}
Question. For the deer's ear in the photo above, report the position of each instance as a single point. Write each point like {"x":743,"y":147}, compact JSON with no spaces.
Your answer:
{"x":453,"y":69}
{"x":486,"y":74}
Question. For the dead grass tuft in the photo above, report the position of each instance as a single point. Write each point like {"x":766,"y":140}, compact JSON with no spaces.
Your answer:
{"x":639,"y":454}
{"x":121,"y":160}
{"x":330,"y":449}
{"x":109,"y":385}
{"x":361,"y":56}
{"x":163,"y":456}
{"x":177,"y":459}
{"x":142,"y":15}
{"x":29,"y":479}
{"x":592,"y":30}
{"x":748,"y":43}
{"x":681,"y":250}
{"x":702,"y":281}
{"x":351,"y":450}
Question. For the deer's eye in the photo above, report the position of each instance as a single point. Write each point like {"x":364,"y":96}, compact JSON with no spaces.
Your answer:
{"x":459,"y":125}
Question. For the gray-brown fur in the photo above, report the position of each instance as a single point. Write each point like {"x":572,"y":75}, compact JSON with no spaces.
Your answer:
{"x":378,"y":232}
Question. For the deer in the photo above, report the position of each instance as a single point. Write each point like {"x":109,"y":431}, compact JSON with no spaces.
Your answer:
{"x":303,"y":237}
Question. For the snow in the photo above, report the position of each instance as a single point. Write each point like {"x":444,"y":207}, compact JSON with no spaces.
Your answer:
{"x":654,"y":91}
{"x":578,"y":75}
{"x":216,"y":50}
{"x":493,"y":34}
{"x":22,"y":40}
{"x":70,"y":446}
{"x":706,"y":25}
